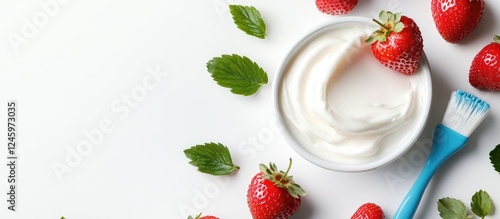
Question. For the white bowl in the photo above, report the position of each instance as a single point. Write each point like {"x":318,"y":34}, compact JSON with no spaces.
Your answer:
{"x":302,"y":92}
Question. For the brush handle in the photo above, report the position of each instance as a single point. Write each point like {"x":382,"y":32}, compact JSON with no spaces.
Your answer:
{"x":444,"y":144}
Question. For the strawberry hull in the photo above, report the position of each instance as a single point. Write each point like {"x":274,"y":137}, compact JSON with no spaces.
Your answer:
{"x":268,"y":201}
{"x":272,"y":194}
{"x":399,"y":50}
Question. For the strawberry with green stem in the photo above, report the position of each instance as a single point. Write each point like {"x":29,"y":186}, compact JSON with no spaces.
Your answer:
{"x":398,"y":44}
{"x":273,"y":194}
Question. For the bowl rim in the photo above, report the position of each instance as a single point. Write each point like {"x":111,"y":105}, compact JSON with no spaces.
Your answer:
{"x":303,"y":152}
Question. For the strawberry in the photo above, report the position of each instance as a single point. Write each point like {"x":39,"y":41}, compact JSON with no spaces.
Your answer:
{"x":336,"y":7}
{"x":455,"y":19}
{"x":203,"y":217}
{"x":484,"y":72}
{"x":398,"y":44}
{"x":272,"y":194}
{"x":368,"y":211}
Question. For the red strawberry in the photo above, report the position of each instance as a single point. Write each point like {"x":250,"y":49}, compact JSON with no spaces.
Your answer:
{"x":398,"y":44}
{"x":368,"y":211}
{"x":272,"y":194}
{"x":484,"y":72}
{"x":204,"y":217}
{"x":455,"y":19}
{"x":336,"y":7}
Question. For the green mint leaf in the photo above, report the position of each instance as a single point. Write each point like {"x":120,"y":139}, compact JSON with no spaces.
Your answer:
{"x":495,"y":158}
{"x":211,"y":158}
{"x":63,"y":218}
{"x":481,"y":203}
{"x":240,"y":74}
{"x":450,"y":208}
{"x":248,"y":19}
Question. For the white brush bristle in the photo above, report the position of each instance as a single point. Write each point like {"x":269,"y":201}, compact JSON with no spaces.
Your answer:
{"x":465,"y":112}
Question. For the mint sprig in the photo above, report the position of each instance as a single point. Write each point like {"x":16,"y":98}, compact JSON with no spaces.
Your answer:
{"x":211,"y":158}
{"x":239,"y":73}
{"x":481,"y":203}
{"x":451,"y":208}
{"x":249,"y":20}
{"x":495,"y":158}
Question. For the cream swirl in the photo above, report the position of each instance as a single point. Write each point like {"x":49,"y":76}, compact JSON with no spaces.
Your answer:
{"x":339,"y":101}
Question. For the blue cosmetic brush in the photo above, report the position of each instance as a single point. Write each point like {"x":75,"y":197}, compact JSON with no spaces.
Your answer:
{"x":463,"y":114}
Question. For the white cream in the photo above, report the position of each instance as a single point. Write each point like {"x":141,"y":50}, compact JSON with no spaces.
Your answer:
{"x":340,"y":103}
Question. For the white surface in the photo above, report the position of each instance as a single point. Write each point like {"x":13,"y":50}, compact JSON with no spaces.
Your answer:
{"x":88,"y":61}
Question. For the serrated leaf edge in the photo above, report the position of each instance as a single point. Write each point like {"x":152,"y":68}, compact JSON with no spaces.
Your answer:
{"x":252,"y":24}
{"x":244,"y":69}
{"x":226,"y":165}
{"x":494,"y":156}
{"x":479,"y":200}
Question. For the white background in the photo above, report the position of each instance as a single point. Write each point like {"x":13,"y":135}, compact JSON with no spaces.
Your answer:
{"x":81,"y":60}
